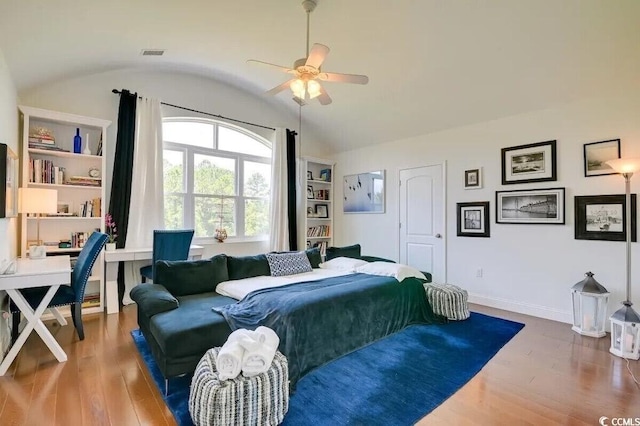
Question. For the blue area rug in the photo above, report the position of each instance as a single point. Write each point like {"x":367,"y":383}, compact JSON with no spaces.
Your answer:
{"x":394,"y":381}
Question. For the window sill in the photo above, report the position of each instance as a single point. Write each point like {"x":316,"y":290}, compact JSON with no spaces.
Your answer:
{"x":230,"y":240}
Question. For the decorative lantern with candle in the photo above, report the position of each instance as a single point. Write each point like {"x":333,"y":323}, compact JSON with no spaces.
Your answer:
{"x":589,"y":307}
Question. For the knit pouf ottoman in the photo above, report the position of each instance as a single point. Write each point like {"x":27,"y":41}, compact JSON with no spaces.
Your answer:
{"x":257,"y":400}
{"x":448,"y":300}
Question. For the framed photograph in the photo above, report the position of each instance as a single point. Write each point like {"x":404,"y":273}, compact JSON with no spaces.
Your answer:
{"x":322,"y":210}
{"x":536,"y":206}
{"x":472,"y":179}
{"x":310,"y":212}
{"x":309,"y":175}
{"x":64,"y":209}
{"x":309,"y":192}
{"x":473,"y":219}
{"x":8,"y":182}
{"x":364,"y":193}
{"x":596,"y":155}
{"x":604,"y":217}
{"x":535,"y":162}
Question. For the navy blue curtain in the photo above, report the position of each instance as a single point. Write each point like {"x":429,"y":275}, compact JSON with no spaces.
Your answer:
{"x":291,"y":190}
{"x":122,"y":173}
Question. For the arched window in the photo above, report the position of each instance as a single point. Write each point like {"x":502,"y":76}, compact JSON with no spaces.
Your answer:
{"x":215,"y":175}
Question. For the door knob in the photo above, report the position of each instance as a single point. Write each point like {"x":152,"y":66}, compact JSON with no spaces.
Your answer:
{"x":438,"y":236}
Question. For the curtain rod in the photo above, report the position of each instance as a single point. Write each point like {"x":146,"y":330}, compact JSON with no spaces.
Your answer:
{"x":118,"y":92}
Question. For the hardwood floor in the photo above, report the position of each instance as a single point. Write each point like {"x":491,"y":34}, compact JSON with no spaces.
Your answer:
{"x":546,"y":375}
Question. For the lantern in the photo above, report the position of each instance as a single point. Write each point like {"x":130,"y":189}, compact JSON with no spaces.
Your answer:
{"x":625,"y":333}
{"x":589,"y":307}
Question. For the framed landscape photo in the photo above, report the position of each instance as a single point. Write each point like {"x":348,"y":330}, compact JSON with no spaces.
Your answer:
{"x":604,"y":217}
{"x":322,"y":210}
{"x":473,"y":219}
{"x":596,"y":154}
{"x":473,"y":179}
{"x":534,"y":162}
{"x":536,"y":206}
{"x":364,"y":192}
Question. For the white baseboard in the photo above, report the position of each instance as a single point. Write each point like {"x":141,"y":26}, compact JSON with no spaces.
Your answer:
{"x":522,"y":308}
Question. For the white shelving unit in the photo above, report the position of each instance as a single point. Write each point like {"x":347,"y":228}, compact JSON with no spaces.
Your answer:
{"x":318,"y":203}
{"x":56,"y":228}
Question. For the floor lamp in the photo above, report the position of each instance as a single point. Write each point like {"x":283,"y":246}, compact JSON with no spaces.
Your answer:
{"x":625,"y":322}
{"x":38,"y":201}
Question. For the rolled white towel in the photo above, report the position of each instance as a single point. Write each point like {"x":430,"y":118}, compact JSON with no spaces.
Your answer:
{"x":229,"y":360}
{"x":257,"y":358}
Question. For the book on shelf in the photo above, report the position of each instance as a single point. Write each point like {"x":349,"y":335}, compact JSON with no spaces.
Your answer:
{"x":84,"y":181}
{"x":319,"y":231}
{"x":44,"y":171}
{"x":46,"y":147}
{"x":41,"y":140}
{"x":91,"y":208}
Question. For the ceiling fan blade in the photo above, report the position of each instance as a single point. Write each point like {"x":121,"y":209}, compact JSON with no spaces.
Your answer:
{"x":280,"y":67}
{"x":316,"y":55}
{"x":343,"y":78}
{"x":279,"y":88}
{"x":324,"y":97}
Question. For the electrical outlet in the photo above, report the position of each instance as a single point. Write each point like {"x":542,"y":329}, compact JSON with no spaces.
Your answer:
{"x":479,"y":273}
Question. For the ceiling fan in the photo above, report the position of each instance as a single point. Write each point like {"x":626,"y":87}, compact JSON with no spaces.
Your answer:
{"x":306,"y":71}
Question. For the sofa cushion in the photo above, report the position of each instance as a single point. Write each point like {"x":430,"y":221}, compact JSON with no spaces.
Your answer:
{"x":193,"y":327}
{"x":347,"y":251}
{"x":184,"y":277}
{"x":247,"y":266}
{"x":376,"y":259}
{"x":314,"y":256}
{"x":153,"y":299}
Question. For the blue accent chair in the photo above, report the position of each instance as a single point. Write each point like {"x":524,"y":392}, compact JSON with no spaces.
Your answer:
{"x":168,"y":245}
{"x":67,"y":295}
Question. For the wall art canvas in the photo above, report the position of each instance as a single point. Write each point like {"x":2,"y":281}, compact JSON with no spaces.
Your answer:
{"x":8,"y":182}
{"x":597,"y":154}
{"x":534,"y":162}
{"x":364,"y":192}
{"x":537,"y":206}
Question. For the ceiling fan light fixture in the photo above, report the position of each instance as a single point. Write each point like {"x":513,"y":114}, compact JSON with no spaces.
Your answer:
{"x":313,"y":89}
{"x":298,"y":87}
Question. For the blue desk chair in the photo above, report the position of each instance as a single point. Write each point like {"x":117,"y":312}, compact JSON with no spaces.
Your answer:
{"x":168,"y":245}
{"x":67,"y":295}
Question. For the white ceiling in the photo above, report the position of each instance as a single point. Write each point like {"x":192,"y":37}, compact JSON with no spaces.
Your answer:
{"x":432,"y":64}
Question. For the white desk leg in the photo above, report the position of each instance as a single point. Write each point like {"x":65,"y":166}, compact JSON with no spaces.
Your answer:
{"x":111,"y":287}
{"x":58,"y":316}
{"x":34,"y":323}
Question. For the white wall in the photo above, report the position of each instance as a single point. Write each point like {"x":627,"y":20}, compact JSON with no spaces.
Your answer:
{"x":526,"y":268}
{"x":91,"y":96}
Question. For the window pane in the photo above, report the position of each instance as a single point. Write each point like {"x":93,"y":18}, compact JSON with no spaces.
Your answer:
{"x":214,"y":175}
{"x":232,"y":140}
{"x":173,"y":171}
{"x":257,"y":179}
{"x":207,"y":210}
{"x":188,"y":133}
{"x":173,"y":211}
{"x":256,"y":217}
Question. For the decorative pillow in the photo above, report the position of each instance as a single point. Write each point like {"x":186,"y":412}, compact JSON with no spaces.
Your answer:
{"x":282,"y":264}
{"x":185,"y":277}
{"x":314,"y":256}
{"x":386,"y":269}
{"x":153,"y":299}
{"x":348,"y":251}
{"x":346,"y":264}
{"x":247,"y":266}
{"x":376,"y":259}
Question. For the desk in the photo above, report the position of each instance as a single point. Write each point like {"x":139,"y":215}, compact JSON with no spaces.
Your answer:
{"x":111,"y":259}
{"x":52,"y":271}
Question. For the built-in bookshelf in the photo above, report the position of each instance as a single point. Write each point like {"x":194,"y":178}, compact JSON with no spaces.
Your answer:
{"x":318,"y":214}
{"x":49,"y":161}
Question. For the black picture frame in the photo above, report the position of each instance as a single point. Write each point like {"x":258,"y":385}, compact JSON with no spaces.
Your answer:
{"x":472,"y":179}
{"x":309,"y":175}
{"x":604,"y":217}
{"x":8,"y":182}
{"x":535,"y":162}
{"x":473,"y":219}
{"x":531,"y":206}
{"x":596,"y":154}
{"x":322,"y":211}
{"x":310,"y":193}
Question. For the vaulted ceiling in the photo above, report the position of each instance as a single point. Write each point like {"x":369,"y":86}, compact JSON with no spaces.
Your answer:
{"x":432,"y":64}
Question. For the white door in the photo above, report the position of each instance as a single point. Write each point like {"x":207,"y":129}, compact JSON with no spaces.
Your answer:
{"x":422,"y":226}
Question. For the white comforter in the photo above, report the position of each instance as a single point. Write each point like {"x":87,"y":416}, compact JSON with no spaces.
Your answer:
{"x":238,"y":289}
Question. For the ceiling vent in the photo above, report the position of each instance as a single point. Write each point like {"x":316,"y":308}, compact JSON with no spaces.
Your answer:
{"x":152,"y":52}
